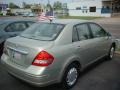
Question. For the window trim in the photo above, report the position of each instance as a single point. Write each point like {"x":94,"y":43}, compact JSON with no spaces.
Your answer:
{"x":74,"y":28}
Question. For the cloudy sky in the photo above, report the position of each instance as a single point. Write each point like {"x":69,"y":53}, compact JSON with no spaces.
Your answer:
{"x":19,"y":2}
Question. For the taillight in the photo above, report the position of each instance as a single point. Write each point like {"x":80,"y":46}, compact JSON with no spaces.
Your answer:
{"x":43,"y":59}
{"x":5,"y":51}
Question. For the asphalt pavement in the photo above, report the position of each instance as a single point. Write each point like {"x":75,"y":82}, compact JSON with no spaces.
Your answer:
{"x":103,"y":75}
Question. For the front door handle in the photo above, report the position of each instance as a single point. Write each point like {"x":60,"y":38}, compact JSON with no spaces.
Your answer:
{"x":13,"y":35}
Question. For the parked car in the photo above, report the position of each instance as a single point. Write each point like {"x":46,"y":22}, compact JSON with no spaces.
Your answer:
{"x":56,"y":52}
{"x":12,"y":28}
{"x":31,"y":15}
{"x":11,"y":14}
{"x":19,"y":13}
{"x":25,"y":14}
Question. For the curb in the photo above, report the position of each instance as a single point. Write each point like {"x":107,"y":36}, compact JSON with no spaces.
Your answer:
{"x":117,"y":52}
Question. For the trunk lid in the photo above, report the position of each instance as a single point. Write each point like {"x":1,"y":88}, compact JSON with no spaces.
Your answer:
{"x":22,"y":51}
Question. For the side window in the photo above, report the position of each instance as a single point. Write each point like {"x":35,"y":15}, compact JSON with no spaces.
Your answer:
{"x":83,"y":31}
{"x":14,"y":27}
{"x":97,"y":31}
{"x":30,"y":23}
{"x":9,"y":28}
{"x":75,"y":35}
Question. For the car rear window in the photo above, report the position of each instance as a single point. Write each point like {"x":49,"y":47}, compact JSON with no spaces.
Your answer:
{"x":43,"y":31}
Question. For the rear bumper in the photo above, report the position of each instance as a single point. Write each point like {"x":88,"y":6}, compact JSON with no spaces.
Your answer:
{"x":36,"y":80}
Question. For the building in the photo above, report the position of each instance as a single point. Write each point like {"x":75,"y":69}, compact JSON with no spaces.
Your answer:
{"x":98,"y":8}
{"x":3,"y":7}
{"x":37,"y":8}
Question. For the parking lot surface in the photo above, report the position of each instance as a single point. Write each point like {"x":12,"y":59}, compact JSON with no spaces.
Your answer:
{"x":104,"y":75}
{"x":112,"y":25}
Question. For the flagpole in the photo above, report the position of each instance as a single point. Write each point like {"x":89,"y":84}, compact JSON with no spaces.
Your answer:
{"x":48,"y":1}
{"x":50,"y":10}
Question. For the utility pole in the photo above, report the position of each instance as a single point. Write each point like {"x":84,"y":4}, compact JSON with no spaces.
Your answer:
{"x":48,"y":1}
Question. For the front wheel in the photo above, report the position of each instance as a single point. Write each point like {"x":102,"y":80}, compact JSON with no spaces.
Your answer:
{"x":70,"y":77}
{"x":111,"y":53}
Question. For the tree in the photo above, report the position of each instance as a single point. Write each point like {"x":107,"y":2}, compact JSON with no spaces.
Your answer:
{"x":12,"y":5}
{"x":49,"y":7}
{"x":57,"y":5}
{"x":26,"y":5}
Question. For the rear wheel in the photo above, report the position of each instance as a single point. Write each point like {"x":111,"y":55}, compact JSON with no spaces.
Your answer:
{"x":71,"y":76}
{"x":1,"y":49}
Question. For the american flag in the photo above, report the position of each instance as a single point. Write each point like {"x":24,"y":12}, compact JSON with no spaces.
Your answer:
{"x":46,"y":16}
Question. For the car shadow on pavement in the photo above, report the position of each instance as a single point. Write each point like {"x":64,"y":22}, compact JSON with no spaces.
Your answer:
{"x":93,"y":66}
{"x":31,"y":87}
{"x":56,"y":86}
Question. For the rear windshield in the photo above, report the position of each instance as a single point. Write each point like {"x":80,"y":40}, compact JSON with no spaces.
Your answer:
{"x":43,"y":31}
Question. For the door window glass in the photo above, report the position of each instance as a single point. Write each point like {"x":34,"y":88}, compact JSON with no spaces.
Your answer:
{"x":83,"y":31}
{"x":97,"y":31}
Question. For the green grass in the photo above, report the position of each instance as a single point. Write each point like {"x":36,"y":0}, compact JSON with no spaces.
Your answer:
{"x":79,"y":17}
{"x":118,"y":49}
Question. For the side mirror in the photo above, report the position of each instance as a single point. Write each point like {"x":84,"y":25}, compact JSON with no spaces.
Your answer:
{"x":108,"y":34}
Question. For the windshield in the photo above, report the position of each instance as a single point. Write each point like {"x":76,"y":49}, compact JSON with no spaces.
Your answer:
{"x":43,"y":31}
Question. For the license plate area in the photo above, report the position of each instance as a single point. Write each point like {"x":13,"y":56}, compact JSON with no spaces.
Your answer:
{"x":17,"y":55}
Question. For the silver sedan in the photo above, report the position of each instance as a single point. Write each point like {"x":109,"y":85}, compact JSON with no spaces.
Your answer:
{"x":56,"y":52}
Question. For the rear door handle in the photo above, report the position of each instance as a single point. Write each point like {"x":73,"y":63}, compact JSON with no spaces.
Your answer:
{"x":78,"y":47}
{"x":13,"y":35}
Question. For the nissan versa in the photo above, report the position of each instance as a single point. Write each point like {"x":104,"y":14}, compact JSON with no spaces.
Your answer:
{"x":56,"y":52}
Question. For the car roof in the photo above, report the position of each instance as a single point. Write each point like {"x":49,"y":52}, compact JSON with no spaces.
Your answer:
{"x":11,"y":20}
{"x":66,"y":21}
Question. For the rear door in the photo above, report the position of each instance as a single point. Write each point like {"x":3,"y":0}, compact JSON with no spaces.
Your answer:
{"x":101,"y":39}
{"x":84,"y":44}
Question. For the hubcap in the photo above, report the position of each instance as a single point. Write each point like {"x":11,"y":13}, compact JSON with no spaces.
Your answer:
{"x":72,"y":76}
{"x":112,"y":52}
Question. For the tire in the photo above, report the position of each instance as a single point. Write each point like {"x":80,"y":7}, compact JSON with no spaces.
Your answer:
{"x":70,"y":77}
{"x":1,"y":49}
{"x":111,"y":53}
